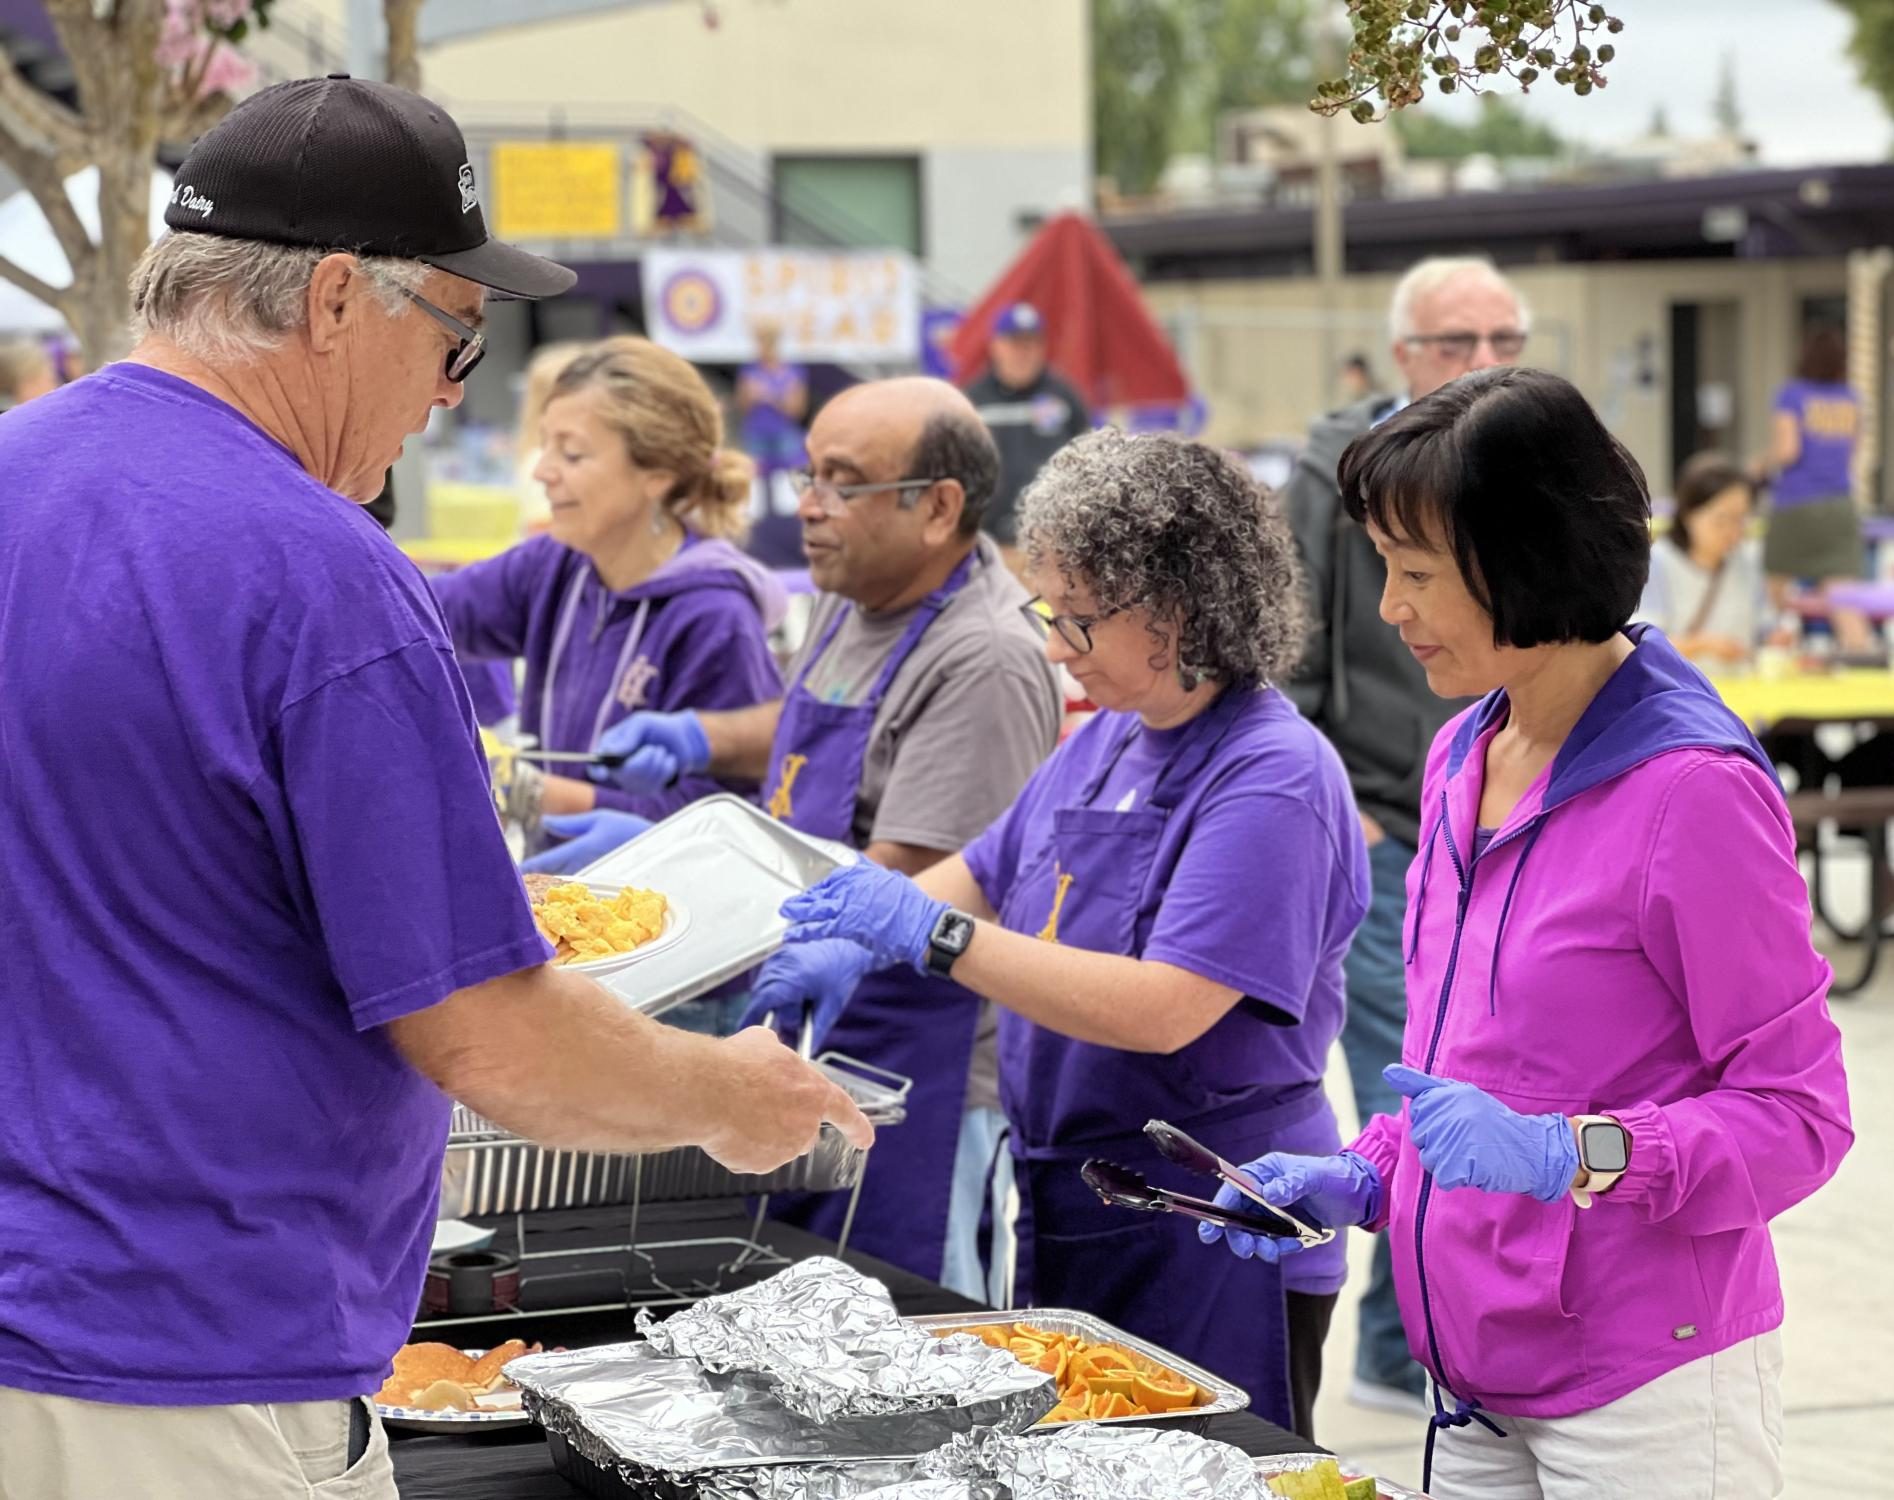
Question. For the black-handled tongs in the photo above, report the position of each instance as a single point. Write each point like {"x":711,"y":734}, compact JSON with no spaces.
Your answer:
{"x":1123,"y":1188}
{"x":1128,"y":1189}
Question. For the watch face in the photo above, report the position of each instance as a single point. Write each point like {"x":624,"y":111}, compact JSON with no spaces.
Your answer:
{"x":1604,"y":1148}
{"x":954,"y":932}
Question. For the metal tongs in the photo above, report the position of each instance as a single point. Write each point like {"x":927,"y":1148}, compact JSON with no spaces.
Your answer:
{"x":608,"y":760}
{"x":1128,"y":1189}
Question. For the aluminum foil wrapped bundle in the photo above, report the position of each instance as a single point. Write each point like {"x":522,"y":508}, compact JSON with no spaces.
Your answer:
{"x":827,"y":1342}
{"x":1083,"y":1463}
{"x":668,"y":1427}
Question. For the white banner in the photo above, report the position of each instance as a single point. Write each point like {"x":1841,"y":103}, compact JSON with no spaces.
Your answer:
{"x":839,"y":307}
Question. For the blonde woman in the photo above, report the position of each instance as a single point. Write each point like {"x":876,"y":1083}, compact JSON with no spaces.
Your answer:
{"x":636,"y":597}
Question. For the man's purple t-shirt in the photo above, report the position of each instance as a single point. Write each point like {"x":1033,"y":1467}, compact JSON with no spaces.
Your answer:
{"x":244,"y":822}
{"x":1828,"y":417}
{"x":1264,"y":878}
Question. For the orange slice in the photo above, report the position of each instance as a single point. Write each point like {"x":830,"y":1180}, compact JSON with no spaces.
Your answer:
{"x":1108,"y":1404}
{"x":1163,"y":1392}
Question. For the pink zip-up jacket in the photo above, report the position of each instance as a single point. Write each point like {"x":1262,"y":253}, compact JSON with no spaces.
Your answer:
{"x":1634,"y":942}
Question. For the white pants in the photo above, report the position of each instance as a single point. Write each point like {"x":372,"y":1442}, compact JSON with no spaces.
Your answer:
{"x":1709,"y":1430}
{"x":55,"y":1448}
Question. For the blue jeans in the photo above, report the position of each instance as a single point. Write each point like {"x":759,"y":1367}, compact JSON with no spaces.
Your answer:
{"x":1371,"y":1039}
{"x":962,"y":1270}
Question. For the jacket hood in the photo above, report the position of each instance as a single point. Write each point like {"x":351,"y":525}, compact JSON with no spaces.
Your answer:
{"x":709,"y":563}
{"x":1654,"y":703}
{"x":1334,"y":432}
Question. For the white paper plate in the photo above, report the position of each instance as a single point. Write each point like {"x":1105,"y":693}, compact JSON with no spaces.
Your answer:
{"x":420,"y":1419}
{"x":677,"y":921}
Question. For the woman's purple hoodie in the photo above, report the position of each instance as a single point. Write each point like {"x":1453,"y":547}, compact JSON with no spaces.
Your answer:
{"x":1634,"y":942}
{"x":702,"y":642}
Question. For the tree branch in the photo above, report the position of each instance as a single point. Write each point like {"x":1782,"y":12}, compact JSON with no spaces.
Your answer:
{"x":35,"y":121}
{"x":43,"y":177}
{"x":27,"y":282}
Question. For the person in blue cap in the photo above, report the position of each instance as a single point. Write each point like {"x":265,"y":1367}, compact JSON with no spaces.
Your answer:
{"x":1029,"y":408}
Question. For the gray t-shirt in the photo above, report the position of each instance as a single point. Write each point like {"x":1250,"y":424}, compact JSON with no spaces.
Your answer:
{"x":968,"y":718}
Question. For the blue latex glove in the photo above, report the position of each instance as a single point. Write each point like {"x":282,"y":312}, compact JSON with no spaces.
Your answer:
{"x":825,"y":972}
{"x":660,"y":747}
{"x":1467,"y":1138}
{"x":886,"y":913}
{"x":586,"y":837}
{"x":1335,"y":1191}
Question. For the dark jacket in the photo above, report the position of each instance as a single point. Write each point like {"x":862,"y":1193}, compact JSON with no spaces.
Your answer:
{"x":1029,"y":425}
{"x":1357,"y":683}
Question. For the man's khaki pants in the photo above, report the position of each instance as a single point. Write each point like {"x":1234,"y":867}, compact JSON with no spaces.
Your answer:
{"x":55,"y":1448}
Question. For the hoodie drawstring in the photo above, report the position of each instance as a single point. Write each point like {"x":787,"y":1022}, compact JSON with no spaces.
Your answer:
{"x":1427,"y":865}
{"x":1499,"y":933}
{"x":1463,"y":1414}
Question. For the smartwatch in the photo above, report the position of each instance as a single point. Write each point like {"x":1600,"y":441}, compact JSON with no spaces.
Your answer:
{"x":1604,"y":1151}
{"x":948,"y":941}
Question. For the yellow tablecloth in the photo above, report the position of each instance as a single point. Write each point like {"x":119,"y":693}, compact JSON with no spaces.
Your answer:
{"x":1843,"y":696}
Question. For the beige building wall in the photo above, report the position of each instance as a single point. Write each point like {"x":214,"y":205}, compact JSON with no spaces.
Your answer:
{"x":1265,"y":358}
{"x":795,"y":75}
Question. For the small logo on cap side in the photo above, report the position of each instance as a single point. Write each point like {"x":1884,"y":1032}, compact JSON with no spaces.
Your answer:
{"x":190,"y":200}
{"x":468,"y":200}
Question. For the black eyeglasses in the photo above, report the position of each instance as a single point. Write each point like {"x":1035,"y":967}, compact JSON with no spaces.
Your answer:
{"x":1507,"y":343}
{"x":472,"y":347}
{"x":834,"y":498}
{"x":1074,"y":630}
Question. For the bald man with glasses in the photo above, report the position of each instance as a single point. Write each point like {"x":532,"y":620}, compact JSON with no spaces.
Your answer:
{"x":918,"y":706}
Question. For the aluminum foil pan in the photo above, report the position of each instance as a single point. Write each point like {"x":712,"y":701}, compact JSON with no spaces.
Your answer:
{"x":491,"y":1171}
{"x":662,"y":1426}
{"x":1082,"y":1463}
{"x":1224,"y":1397}
{"x":827,"y":1342}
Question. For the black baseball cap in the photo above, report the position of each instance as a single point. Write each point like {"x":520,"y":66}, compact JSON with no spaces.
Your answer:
{"x":347,"y":164}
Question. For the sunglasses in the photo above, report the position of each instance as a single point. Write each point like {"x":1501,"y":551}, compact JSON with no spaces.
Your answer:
{"x":472,"y":347}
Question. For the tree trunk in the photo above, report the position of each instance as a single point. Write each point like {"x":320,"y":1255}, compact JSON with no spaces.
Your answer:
{"x":404,"y":42}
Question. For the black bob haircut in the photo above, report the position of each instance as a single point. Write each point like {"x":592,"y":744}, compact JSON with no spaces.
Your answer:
{"x":1510,"y":471}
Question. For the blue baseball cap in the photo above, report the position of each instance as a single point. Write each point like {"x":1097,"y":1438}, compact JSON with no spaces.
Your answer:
{"x":1019,"y":320}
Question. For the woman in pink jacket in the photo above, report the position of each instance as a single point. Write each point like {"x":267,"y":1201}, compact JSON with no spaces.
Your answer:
{"x":1619,"y":1063}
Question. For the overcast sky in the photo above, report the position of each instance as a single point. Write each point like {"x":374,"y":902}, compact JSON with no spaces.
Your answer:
{"x":1801,"y":98}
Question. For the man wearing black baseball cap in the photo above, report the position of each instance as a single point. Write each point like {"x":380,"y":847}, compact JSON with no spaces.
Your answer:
{"x":257,"y":916}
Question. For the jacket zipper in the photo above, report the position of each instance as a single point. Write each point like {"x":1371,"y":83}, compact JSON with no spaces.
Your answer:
{"x":1464,"y":873}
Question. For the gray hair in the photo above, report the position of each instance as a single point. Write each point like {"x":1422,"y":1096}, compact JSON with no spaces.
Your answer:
{"x":1426,"y":277}
{"x":226,"y":301}
{"x":1180,"y":529}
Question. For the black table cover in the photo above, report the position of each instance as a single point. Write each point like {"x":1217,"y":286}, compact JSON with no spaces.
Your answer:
{"x":513,"y":1464}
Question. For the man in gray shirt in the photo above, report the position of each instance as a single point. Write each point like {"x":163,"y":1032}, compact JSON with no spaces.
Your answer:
{"x":920,"y":703}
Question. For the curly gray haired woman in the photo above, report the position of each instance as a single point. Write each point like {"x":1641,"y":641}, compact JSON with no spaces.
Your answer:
{"x":1162,"y":913}
{"x":1179,"y":530}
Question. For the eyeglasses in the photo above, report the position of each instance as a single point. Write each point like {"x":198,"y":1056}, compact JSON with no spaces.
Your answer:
{"x":834,"y":498}
{"x":472,"y":347}
{"x":1507,"y":343}
{"x":1074,"y":630}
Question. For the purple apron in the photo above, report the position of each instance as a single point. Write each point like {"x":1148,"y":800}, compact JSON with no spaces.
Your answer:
{"x":1091,"y":887}
{"x":908,"y":1023}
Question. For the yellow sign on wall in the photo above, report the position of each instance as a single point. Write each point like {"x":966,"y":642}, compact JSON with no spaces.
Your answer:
{"x":556,"y":190}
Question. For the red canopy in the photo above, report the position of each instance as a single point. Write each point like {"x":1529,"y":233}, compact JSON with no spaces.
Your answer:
{"x":1100,"y":336}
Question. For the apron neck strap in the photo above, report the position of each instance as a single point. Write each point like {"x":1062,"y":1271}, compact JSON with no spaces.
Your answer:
{"x":924,"y":615}
{"x":1199,"y":740}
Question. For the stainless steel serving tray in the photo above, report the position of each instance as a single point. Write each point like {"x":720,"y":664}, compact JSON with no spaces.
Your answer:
{"x":491,"y":1171}
{"x":1224,"y":1397}
{"x":731,"y":866}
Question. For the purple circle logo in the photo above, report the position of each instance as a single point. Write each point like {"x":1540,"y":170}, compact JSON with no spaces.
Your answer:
{"x":691,"y":302}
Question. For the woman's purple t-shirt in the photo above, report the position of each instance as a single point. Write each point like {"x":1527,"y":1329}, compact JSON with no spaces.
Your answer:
{"x":1828,"y":417}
